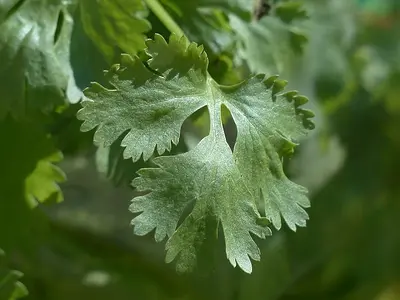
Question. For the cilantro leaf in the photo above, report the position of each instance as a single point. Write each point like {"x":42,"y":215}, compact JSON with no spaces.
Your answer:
{"x":41,"y":184}
{"x":115,"y":23}
{"x":10,"y":287}
{"x":111,"y":163}
{"x":35,"y":72}
{"x":158,"y":118}
{"x":290,"y":11}
{"x":151,"y":104}
{"x":203,"y":21}
{"x":35,"y":167}
{"x":207,"y":175}
{"x":27,"y":158}
{"x":268,"y":45}
{"x":332,"y":24}
{"x":266,"y":129}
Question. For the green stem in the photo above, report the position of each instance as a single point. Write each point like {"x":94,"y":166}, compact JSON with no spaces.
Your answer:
{"x":164,"y":17}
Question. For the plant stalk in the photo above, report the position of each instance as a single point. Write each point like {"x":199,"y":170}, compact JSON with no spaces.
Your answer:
{"x":164,"y":17}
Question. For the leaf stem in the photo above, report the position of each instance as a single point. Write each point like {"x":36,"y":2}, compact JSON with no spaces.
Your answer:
{"x":164,"y":17}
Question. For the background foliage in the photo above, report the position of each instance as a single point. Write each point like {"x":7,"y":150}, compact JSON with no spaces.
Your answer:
{"x":344,"y":55}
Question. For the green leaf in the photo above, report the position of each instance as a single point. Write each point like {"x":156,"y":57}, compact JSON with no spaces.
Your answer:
{"x":10,"y":287}
{"x":204,"y":21}
{"x":27,"y":158}
{"x":111,"y":163}
{"x":290,"y":11}
{"x":115,"y":24}
{"x":35,"y":72}
{"x":269,"y":44}
{"x":156,"y":123}
{"x":265,"y":129}
{"x":333,"y":24}
{"x":41,"y":184}
{"x":152,"y":106}
{"x":208,"y":176}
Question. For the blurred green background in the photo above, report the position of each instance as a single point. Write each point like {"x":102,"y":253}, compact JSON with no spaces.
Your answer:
{"x":348,"y":64}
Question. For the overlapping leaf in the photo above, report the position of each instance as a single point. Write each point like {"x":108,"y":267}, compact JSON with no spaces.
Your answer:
{"x":269,"y":44}
{"x":27,"y":160}
{"x":115,"y":24}
{"x":151,"y":107}
{"x":10,"y":287}
{"x":41,"y":184}
{"x":332,"y":23}
{"x":204,"y":21}
{"x":110,"y":162}
{"x":34,"y":52}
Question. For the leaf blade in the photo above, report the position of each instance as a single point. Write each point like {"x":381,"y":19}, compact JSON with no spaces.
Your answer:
{"x":209,"y":180}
